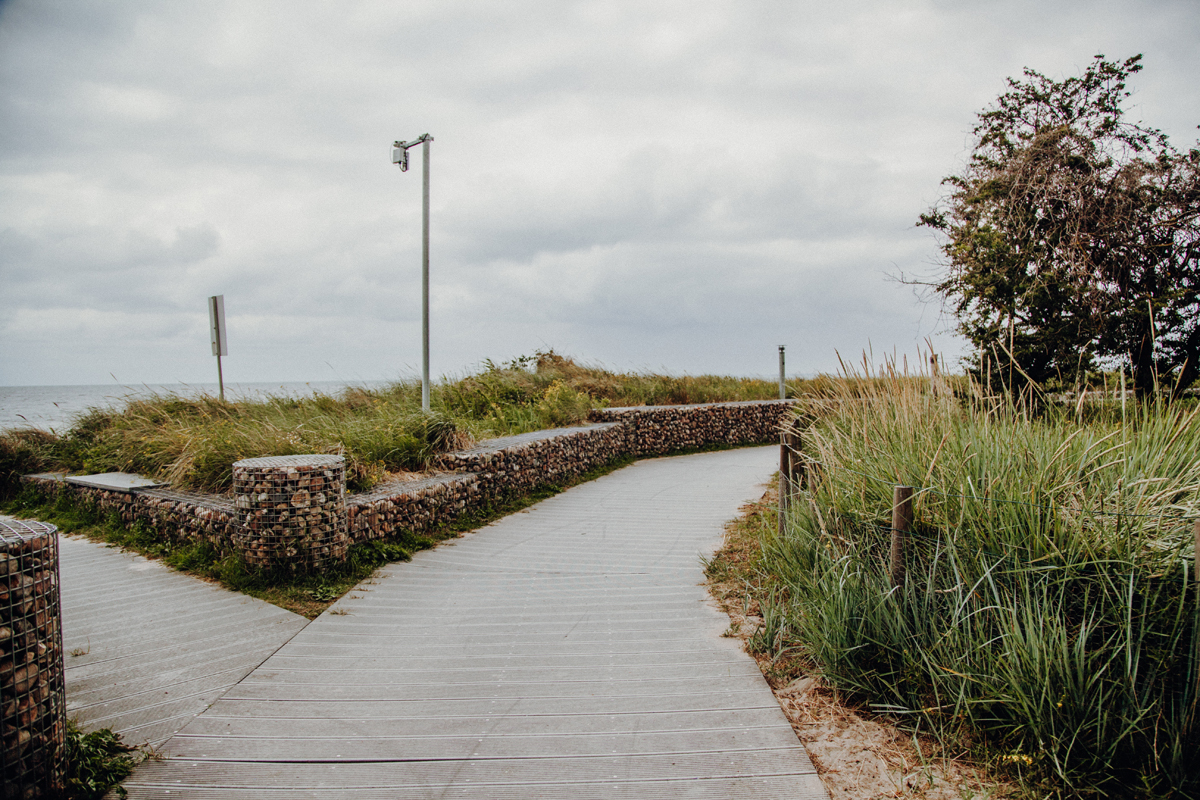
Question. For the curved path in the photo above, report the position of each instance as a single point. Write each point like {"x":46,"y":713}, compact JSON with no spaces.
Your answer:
{"x":567,"y":651}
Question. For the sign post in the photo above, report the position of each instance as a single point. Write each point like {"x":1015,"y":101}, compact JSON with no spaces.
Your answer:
{"x":216,"y":331}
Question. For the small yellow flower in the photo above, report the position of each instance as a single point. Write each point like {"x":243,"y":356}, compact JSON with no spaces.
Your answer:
{"x":1015,"y":757}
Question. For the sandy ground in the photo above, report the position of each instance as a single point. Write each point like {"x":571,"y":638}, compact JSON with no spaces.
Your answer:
{"x":859,"y":755}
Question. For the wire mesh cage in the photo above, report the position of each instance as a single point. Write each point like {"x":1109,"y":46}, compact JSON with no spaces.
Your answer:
{"x":291,"y":511}
{"x":32,"y":699}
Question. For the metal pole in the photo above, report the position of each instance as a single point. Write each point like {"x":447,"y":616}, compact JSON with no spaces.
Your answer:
{"x":220,"y":378}
{"x":782,"y":387}
{"x":425,"y":278}
{"x":400,"y":156}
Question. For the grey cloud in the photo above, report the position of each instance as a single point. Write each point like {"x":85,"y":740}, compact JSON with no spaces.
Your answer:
{"x":100,"y":267}
{"x":673,"y":185}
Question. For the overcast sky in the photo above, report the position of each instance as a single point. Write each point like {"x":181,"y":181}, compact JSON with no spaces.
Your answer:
{"x":678,"y":186}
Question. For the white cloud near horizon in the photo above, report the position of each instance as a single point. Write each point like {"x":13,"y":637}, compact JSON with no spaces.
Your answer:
{"x":675,"y":186}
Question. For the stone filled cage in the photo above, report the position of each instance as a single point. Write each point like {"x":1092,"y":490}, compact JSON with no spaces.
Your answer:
{"x":32,"y":693}
{"x":291,"y":510}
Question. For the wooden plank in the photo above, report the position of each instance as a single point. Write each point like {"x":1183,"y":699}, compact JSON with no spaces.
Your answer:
{"x":350,"y":632}
{"x":119,"y":651}
{"x":576,"y":692}
{"x":365,"y":746}
{"x":610,"y":704}
{"x":758,"y":787}
{"x":300,"y":657}
{"x":185,"y":773}
{"x":147,"y":671}
{"x":200,"y":677}
{"x":215,"y":723}
{"x":457,"y":675}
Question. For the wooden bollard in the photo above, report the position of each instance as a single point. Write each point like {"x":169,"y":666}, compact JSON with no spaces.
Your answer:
{"x":791,"y":469}
{"x":1196,"y":562}
{"x":785,"y":477}
{"x":796,"y":470}
{"x":902,"y":518}
{"x":1196,"y":578}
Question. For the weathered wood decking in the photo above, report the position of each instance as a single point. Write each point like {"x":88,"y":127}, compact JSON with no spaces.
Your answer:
{"x":566,"y":651}
{"x":147,"y":649}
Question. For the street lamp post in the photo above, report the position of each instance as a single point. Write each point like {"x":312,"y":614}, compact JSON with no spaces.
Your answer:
{"x":400,"y":156}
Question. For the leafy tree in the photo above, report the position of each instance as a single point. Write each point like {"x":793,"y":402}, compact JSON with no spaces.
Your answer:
{"x":1073,"y":235}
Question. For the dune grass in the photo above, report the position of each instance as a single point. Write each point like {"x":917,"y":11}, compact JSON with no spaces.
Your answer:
{"x":1050,"y":612}
{"x":192,"y":442}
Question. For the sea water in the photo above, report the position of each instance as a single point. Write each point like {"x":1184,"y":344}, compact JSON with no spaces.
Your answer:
{"x":56,"y":407}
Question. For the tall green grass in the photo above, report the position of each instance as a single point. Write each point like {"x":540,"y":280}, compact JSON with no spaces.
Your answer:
{"x":1049,"y":615}
{"x":192,"y":442}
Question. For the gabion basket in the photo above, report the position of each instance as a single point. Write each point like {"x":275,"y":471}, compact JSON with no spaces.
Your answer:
{"x":291,"y":511}
{"x":32,"y":693}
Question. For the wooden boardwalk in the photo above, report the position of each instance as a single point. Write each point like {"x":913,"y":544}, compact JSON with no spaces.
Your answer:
{"x":146,"y":648}
{"x":568,"y":651}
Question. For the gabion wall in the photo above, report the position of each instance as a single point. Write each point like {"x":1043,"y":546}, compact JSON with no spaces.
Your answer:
{"x":179,"y":517}
{"x":32,"y":700}
{"x":653,"y":430}
{"x":270,"y":522}
{"x":514,"y":464}
{"x":416,"y":506}
{"x":291,"y":511}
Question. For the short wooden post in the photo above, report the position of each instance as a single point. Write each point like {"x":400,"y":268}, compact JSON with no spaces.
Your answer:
{"x":1196,"y":561}
{"x":785,"y":475}
{"x":902,"y":518}
{"x":796,"y":470}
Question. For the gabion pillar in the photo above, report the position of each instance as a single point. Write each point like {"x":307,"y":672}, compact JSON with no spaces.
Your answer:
{"x":32,"y":693}
{"x":291,"y":511}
